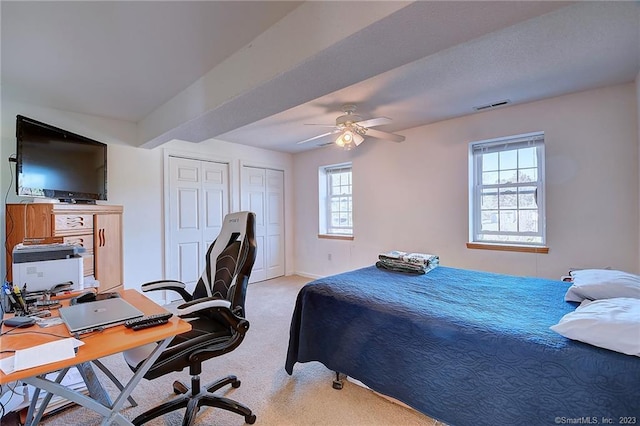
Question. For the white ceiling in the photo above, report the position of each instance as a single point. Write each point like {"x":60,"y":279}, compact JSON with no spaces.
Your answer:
{"x":428,"y":62}
{"x":121,"y":59}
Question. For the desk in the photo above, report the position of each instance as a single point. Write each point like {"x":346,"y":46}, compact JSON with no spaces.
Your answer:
{"x":98,"y":345}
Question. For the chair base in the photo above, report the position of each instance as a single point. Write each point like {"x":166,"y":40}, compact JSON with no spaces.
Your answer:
{"x":193,"y":401}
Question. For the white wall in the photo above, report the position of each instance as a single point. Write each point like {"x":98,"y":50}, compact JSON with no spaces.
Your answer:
{"x":135,"y":182}
{"x":413,"y":196}
{"x":638,"y":111}
{"x":112,"y":132}
{"x":410,"y":196}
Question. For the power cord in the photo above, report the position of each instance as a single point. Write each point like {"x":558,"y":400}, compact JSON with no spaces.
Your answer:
{"x":35,"y":332}
{"x":1,"y":404}
{"x":13,"y":392}
{"x":6,"y":197}
{"x":9,"y":219}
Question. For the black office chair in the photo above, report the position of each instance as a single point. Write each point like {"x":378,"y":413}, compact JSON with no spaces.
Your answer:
{"x":216,"y":314}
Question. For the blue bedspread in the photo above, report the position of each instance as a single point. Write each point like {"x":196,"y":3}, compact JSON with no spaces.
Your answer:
{"x":464,"y":347}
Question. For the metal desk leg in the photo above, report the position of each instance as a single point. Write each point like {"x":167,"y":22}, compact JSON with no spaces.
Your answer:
{"x":133,"y":382}
{"x":31,"y":420}
{"x":114,"y":379}
{"x":96,"y":390}
{"x":110,"y":414}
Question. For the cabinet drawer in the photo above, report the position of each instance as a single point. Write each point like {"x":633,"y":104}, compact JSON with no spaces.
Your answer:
{"x":87,"y":264}
{"x":66,"y":224}
{"x":85,"y":241}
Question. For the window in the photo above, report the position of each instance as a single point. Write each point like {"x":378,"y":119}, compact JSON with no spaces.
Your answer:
{"x":336,"y":206}
{"x":506,"y":196}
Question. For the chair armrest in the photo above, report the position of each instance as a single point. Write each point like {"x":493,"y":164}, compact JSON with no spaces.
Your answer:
{"x":174,"y":285}
{"x":221,"y":306}
{"x":195,"y":306}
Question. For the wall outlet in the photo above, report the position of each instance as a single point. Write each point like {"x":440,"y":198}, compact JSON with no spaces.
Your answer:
{"x":329,"y":256}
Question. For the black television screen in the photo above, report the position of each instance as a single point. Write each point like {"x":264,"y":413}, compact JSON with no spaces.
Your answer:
{"x":55,"y":163}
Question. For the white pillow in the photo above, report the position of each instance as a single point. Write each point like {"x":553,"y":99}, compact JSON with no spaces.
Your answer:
{"x":594,"y":284}
{"x":608,"y":323}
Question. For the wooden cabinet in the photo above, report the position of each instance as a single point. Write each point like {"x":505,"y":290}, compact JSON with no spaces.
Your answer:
{"x":97,"y":228}
{"x":107,"y":236}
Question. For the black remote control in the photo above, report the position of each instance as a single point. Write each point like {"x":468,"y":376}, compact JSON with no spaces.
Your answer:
{"x":149,"y":324}
{"x":147,"y":319}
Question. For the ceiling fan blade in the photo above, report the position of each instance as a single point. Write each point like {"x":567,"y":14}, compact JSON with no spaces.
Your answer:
{"x":374,"y":122}
{"x":384,"y":135}
{"x":320,"y":125}
{"x":317,"y":137}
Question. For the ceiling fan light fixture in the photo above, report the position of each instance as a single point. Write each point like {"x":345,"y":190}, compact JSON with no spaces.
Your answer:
{"x":348,"y":139}
{"x":345,"y":138}
{"x":357,"y":139}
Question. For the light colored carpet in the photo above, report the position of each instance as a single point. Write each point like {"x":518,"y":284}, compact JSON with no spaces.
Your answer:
{"x":306,"y":398}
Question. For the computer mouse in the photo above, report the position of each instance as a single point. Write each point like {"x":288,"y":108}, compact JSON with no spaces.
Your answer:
{"x":87,"y":296}
{"x":19,"y":322}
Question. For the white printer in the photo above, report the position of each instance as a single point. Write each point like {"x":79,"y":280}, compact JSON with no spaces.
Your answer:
{"x":44,"y":266}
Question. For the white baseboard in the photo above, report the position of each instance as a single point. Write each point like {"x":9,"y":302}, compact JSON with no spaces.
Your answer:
{"x":308,"y":275}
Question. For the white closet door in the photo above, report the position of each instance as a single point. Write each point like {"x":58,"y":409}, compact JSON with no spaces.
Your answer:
{"x":275,"y":224}
{"x":263,"y":193}
{"x":254,"y":188}
{"x":215,"y":203}
{"x":198,"y":201}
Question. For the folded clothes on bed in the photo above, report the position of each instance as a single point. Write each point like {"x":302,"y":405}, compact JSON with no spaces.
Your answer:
{"x":417,"y":263}
{"x":381,"y":264}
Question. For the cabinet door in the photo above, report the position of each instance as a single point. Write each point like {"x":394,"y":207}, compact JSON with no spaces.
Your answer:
{"x":24,"y":222}
{"x":108,"y":250}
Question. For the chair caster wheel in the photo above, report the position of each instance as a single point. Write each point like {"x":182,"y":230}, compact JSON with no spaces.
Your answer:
{"x":236,"y":385}
{"x":250,"y":419}
{"x":179,"y":388}
{"x":337,"y":384}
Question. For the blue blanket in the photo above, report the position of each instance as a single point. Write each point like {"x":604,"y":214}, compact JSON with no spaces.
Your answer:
{"x":464,"y":347}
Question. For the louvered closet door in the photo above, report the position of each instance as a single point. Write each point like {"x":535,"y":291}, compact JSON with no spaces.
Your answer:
{"x":263,"y":193}
{"x":198,"y":202}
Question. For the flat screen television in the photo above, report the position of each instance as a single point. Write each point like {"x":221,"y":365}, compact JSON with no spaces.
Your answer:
{"x":59,"y":164}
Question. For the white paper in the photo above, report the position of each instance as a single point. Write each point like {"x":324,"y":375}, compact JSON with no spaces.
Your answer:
{"x":6,"y":365}
{"x":40,"y":355}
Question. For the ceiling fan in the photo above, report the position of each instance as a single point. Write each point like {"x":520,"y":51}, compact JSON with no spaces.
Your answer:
{"x":351,"y":129}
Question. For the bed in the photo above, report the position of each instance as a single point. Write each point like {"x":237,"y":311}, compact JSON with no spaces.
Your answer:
{"x":463,"y":347}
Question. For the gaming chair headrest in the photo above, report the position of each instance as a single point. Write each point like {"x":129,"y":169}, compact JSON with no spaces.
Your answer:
{"x":242,"y":224}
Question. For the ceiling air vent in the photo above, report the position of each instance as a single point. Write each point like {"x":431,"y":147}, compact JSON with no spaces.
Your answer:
{"x":493,"y":105}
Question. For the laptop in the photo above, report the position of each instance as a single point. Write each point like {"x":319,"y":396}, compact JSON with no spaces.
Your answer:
{"x":94,"y":316}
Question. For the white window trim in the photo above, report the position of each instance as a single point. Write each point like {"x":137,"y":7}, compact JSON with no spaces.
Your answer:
{"x":324,"y":202}
{"x":475,"y":189}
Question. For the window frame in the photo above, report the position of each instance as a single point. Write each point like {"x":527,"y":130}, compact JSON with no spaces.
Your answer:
{"x":476,"y":187}
{"x":326,"y":196}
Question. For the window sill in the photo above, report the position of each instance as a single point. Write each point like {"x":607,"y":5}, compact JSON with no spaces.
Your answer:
{"x":336,"y":237}
{"x":504,"y":247}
